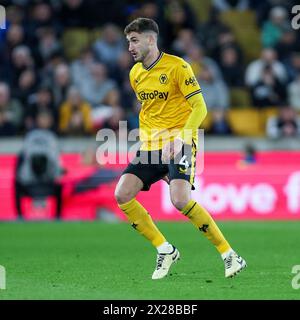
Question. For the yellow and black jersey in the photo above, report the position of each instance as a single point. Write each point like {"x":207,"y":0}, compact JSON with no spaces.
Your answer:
{"x":163,"y":89}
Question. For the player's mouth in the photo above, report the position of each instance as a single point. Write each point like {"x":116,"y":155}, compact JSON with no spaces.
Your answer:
{"x":134,"y":55}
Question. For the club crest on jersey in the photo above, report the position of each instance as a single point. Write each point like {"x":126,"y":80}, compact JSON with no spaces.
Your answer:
{"x":163,"y":79}
{"x":153,"y":95}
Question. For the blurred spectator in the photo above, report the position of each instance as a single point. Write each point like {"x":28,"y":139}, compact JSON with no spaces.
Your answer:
{"x":286,"y":124}
{"x":215,"y":91}
{"x":287,"y":44}
{"x":41,"y":101}
{"x":226,"y":39}
{"x":48,"y":45}
{"x":133,"y":116}
{"x":41,"y":17}
{"x":120,"y":75}
{"x":232,"y":69}
{"x":14,"y":37}
{"x":90,"y":14}
{"x":15,"y":14}
{"x":112,"y":100}
{"x":273,"y":28}
{"x":108,"y":11}
{"x":293,"y":65}
{"x":122,"y":68}
{"x":21,"y":60}
{"x":6,"y":127}
{"x":110,"y":112}
{"x":225,"y":5}
{"x":263,"y":8}
{"x":47,"y":71}
{"x":268,"y":91}
{"x":151,"y":9}
{"x":196,"y":58}
{"x":81,"y":68}
{"x":294,"y":93}
{"x":254,"y":71}
{"x":185,"y":39}
{"x":178,"y":15}
{"x":110,"y":46}
{"x":97,"y":85}
{"x":31,"y":54}
{"x":26,"y":86}
{"x":219,"y":125}
{"x":61,"y":83}
{"x":209,"y":31}
{"x":44,"y":120}
{"x":11,"y":112}
{"x":74,"y":13}
{"x":75,"y":115}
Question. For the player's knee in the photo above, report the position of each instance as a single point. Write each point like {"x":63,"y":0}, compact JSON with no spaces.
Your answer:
{"x":122,"y":196}
{"x":179,"y":202}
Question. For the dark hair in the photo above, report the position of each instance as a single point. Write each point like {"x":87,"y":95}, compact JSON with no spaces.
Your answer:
{"x":141,"y":25}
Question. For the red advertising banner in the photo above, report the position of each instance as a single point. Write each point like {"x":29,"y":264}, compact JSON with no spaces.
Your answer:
{"x":229,"y":188}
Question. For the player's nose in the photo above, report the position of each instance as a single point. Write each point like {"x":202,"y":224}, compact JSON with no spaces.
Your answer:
{"x":130,"y":48}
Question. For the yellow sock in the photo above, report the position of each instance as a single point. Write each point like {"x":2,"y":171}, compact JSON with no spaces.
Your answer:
{"x":142,"y":222}
{"x":205,"y":223}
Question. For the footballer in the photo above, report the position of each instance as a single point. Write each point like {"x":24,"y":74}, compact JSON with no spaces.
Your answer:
{"x":172,"y":109}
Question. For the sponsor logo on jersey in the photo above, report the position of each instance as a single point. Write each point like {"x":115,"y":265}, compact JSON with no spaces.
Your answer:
{"x":153,"y":95}
{"x":191,"y":80}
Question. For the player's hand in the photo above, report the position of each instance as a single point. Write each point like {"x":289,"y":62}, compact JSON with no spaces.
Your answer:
{"x":171,"y":149}
{"x":167,"y":152}
{"x":178,"y":144}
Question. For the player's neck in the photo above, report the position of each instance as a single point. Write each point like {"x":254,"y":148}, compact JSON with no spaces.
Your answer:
{"x":151,"y":57}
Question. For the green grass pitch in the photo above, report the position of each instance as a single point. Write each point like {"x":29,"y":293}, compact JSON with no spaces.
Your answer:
{"x":95,"y":260}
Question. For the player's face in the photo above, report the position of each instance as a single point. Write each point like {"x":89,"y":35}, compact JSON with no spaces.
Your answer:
{"x":138,"y":45}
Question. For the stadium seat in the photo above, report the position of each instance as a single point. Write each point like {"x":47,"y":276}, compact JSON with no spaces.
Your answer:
{"x":201,"y":9}
{"x":206,"y":124}
{"x":74,"y":40}
{"x":240,"y":97}
{"x":244,"y":27}
{"x":246,"y":122}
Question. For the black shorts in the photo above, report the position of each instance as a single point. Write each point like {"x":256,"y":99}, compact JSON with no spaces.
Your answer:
{"x":148,"y":166}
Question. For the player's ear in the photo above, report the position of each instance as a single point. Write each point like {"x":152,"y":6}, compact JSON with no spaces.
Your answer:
{"x":151,"y":39}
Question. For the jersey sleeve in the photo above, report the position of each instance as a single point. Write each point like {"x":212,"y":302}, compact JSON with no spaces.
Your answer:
{"x":186,"y":80}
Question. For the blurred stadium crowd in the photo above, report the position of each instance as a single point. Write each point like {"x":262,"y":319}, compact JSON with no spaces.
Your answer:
{"x":64,"y":64}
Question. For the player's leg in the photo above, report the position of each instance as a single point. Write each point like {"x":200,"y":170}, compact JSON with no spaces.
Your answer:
{"x":181,"y":198}
{"x":140,"y":177}
{"x":127,"y":188}
{"x":180,"y":191}
{"x":181,"y":174}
